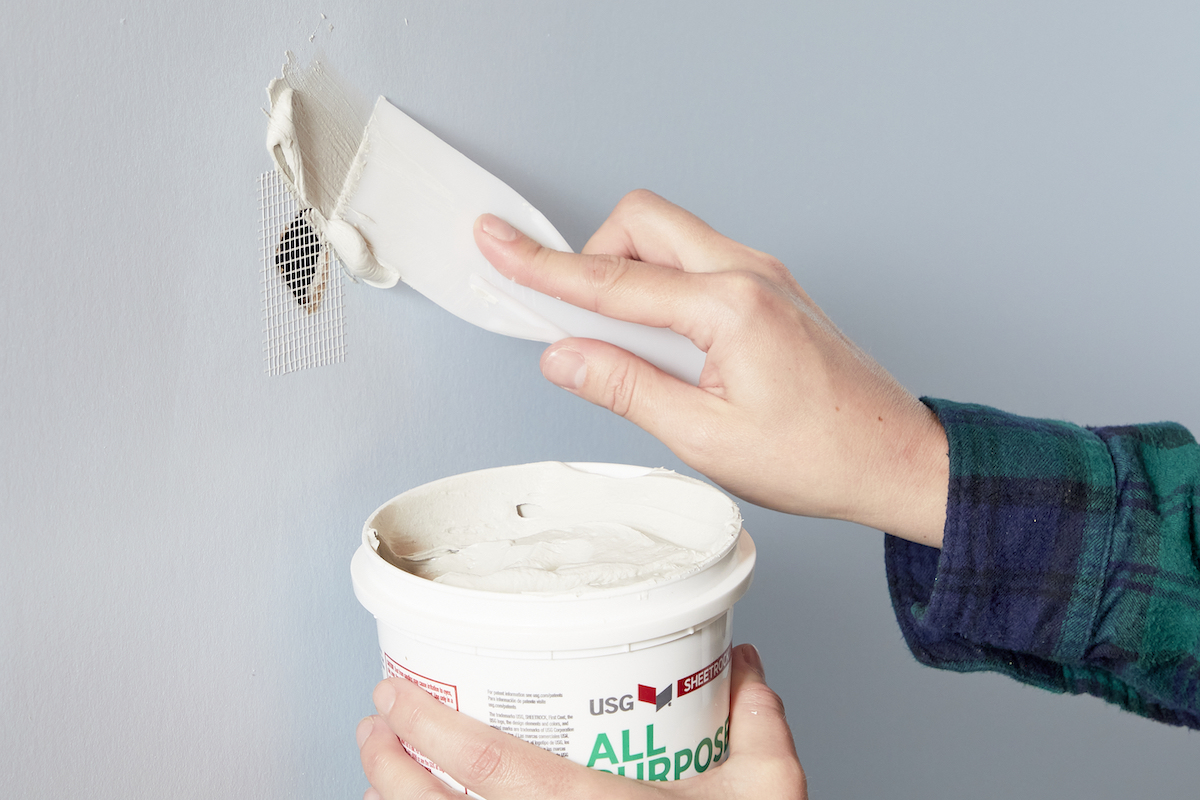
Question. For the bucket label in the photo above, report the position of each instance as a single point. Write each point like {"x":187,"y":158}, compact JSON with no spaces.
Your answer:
{"x":656,"y":714}
{"x":639,"y":758}
{"x":530,"y":716}
{"x":447,"y":693}
{"x":697,"y":679}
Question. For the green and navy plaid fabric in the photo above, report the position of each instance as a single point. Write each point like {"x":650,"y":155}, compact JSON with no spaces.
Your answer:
{"x":1071,"y":560}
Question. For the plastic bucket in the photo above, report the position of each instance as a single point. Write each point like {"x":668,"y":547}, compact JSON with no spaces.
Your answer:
{"x":632,"y":679}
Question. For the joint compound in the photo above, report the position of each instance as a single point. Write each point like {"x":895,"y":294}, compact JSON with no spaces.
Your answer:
{"x":585,"y":608}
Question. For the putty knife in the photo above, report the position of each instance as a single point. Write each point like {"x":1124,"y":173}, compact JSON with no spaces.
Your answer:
{"x":406,"y":212}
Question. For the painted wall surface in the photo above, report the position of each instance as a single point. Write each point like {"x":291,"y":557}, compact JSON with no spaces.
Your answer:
{"x":998,"y":201}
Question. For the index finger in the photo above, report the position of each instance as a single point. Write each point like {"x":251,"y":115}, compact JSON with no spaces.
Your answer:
{"x":646,"y":227}
{"x":614,"y":286}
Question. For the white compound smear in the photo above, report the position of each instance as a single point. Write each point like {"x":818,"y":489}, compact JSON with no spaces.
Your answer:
{"x":550,"y":528}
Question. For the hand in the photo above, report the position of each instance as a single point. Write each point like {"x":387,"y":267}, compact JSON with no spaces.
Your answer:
{"x":762,"y":757}
{"x":789,"y":413}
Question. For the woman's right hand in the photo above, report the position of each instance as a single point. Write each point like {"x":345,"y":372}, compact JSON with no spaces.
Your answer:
{"x":788,"y":414}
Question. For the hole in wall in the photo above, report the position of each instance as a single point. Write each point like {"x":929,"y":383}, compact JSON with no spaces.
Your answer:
{"x":299,"y":259}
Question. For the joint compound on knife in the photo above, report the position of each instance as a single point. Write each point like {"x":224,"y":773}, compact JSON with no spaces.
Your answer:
{"x":315,"y":131}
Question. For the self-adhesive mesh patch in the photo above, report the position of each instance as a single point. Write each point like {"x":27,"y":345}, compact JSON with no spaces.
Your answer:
{"x":303,"y":322}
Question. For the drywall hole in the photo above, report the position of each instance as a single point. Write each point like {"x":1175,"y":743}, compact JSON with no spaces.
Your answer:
{"x":302,"y":262}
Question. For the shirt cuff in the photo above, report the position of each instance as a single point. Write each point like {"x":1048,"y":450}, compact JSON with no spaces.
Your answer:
{"x":1041,"y":525}
{"x":1017,"y":584}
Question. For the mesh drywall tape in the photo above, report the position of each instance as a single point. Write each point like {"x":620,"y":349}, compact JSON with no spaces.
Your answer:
{"x":303,"y":321}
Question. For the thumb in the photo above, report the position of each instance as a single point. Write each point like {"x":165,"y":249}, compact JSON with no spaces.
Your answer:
{"x":631,"y":387}
{"x":757,"y":725}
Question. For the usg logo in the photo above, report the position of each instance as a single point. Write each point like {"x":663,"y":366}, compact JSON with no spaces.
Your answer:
{"x":610,"y":705}
{"x":651,"y":694}
{"x":648,"y":694}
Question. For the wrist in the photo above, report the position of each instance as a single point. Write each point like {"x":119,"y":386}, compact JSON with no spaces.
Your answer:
{"x":905,"y":495}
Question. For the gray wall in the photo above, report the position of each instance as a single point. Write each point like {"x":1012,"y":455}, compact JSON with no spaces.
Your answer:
{"x":999,"y":201}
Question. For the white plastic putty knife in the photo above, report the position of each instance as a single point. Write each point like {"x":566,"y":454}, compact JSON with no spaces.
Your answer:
{"x":407,"y":211}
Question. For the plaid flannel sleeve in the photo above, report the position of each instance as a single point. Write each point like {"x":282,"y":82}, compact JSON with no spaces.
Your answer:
{"x":1071,"y":561}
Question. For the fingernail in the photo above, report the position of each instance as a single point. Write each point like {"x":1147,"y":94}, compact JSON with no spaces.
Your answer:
{"x":565,"y":367}
{"x":385,"y":697}
{"x":497,"y":228}
{"x":364,"y":730}
{"x":754,"y":659}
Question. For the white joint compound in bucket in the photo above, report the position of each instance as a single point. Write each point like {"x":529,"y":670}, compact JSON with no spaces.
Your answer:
{"x":583,"y":607}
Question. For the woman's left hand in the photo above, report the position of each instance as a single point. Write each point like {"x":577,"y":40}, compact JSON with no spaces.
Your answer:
{"x":762,"y":758}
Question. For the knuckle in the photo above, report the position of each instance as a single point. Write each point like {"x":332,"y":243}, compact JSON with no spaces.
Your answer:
{"x":746,"y":292}
{"x":539,"y":260}
{"x":775,"y":268}
{"x":637,"y":201}
{"x":604,"y":272}
{"x":620,"y":388}
{"x":416,"y":721}
{"x":483,"y":764}
{"x":637,"y":205}
{"x":760,"y":697}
